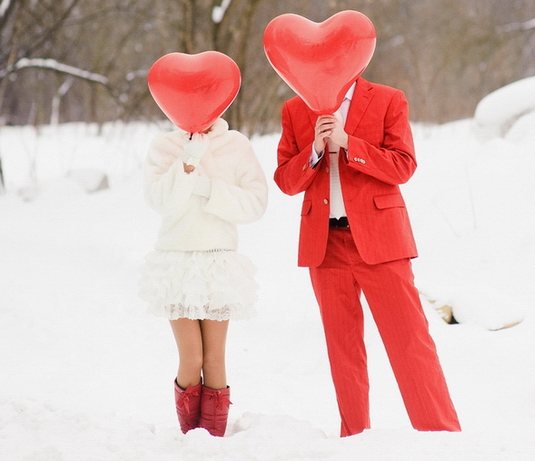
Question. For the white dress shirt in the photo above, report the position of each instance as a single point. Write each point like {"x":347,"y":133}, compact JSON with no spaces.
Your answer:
{"x":337,"y":208}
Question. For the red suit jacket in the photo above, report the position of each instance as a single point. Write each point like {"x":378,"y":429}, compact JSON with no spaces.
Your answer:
{"x":379,"y":158}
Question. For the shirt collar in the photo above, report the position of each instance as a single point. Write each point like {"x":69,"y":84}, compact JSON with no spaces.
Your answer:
{"x":349,"y":94}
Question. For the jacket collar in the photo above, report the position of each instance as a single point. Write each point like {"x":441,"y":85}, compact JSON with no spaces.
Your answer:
{"x":219,"y":127}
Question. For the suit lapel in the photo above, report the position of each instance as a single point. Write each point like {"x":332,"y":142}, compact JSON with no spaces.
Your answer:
{"x":359,"y":104}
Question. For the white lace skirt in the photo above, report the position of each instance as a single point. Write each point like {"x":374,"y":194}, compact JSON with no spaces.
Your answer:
{"x":213,"y":285}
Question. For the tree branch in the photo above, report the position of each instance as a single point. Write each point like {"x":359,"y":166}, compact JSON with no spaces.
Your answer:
{"x":527,"y":25}
{"x":52,"y":64}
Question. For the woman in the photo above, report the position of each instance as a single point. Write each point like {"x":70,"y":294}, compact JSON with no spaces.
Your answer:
{"x":203,"y":185}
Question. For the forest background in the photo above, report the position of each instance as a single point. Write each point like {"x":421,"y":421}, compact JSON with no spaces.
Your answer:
{"x":87,"y":60}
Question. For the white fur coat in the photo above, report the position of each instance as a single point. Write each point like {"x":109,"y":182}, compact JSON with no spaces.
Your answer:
{"x":193,"y":222}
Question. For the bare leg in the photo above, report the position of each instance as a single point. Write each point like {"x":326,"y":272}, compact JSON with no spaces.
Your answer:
{"x":189,"y":341}
{"x":214,"y":337}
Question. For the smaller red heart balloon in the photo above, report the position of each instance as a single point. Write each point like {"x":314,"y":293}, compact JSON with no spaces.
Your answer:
{"x":320,"y":61}
{"x":193,"y":90}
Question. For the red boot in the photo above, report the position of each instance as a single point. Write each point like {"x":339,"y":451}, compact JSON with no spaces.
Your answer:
{"x":214,"y":410}
{"x":188,"y":406}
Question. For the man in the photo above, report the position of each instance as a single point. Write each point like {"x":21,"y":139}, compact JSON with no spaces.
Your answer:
{"x":356,"y":237}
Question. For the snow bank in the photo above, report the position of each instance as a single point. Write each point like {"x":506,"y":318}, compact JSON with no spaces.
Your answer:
{"x":497,"y":112}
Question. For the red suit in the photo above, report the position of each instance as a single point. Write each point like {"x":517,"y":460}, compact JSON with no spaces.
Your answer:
{"x":372,"y":255}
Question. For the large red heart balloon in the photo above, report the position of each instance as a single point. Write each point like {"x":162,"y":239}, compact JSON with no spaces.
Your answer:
{"x":320,"y":61}
{"x":193,"y":90}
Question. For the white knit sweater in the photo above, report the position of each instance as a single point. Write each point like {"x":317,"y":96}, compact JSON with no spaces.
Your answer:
{"x":193,"y":222}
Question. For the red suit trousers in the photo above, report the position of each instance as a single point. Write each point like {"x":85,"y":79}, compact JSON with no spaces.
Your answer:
{"x":397,"y":311}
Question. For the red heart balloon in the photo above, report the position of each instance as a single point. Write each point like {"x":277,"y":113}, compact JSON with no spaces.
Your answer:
{"x":193,"y":90}
{"x":320,"y":61}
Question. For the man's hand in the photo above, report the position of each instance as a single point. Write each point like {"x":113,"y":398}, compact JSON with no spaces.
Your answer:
{"x":328,"y":127}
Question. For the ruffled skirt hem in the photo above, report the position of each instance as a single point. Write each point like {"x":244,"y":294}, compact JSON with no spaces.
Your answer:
{"x":205,"y":285}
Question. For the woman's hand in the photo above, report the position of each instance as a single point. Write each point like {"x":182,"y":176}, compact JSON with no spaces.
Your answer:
{"x":194,"y":149}
{"x":188,"y":168}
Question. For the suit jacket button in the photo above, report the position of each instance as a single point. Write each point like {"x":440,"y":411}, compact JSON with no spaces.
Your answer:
{"x":304,"y":167}
{"x":325,"y":201}
{"x":327,"y":169}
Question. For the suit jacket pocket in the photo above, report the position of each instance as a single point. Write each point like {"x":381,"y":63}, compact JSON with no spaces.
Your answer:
{"x":305,"y":209}
{"x":389,"y":201}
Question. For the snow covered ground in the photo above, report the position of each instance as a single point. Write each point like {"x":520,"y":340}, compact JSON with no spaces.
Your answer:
{"x":86,"y":375}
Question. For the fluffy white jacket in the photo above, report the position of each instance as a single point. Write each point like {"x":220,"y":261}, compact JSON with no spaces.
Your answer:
{"x":238,"y":192}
